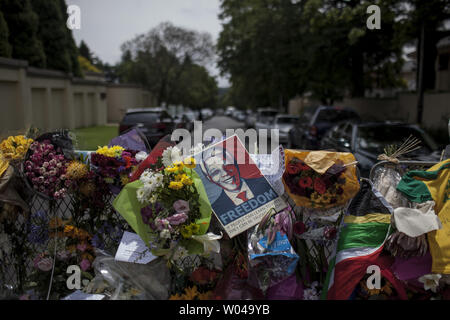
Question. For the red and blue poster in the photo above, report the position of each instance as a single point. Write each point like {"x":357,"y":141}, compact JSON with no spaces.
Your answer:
{"x":239,"y":194}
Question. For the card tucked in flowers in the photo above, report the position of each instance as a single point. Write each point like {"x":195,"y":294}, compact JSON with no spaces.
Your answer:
{"x":320,"y":179}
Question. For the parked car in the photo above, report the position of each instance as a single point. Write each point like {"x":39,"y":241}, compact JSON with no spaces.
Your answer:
{"x":154,"y":123}
{"x":264,"y":118}
{"x":240,"y":116}
{"x":368,"y":140}
{"x":313,"y":124}
{"x":206,"y":113}
{"x":183,"y":121}
{"x":229,"y":111}
{"x":284,"y":123}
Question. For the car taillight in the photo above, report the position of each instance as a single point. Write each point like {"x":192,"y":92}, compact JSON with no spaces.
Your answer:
{"x":180,"y":125}
{"x":123,"y":128}
{"x":313,"y":131}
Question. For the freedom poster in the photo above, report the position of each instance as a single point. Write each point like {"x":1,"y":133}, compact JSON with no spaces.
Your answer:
{"x":239,"y":194}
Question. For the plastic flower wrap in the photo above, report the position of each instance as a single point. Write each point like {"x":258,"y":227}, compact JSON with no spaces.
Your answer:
{"x":272,"y":258}
{"x":168,"y":208}
{"x":320,"y":179}
{"x":45,"y":169}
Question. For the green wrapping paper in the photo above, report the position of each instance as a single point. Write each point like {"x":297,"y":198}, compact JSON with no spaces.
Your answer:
{"x":127,"y":204}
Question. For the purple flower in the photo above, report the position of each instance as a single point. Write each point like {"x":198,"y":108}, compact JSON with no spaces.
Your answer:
{"x":181,"y":206}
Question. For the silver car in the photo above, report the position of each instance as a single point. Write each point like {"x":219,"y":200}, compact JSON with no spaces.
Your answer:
{"x":284,"y":123}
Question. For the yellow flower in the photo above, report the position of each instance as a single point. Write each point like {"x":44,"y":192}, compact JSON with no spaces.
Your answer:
{"x":190,"y":163}
{"x":124,"y":179}
{"x":113,"y":152}
{"x":186,"y":180}
{"x":14,"y":148}
{"x":171,"y":169}
{"x":191,"y":293}
{"x":179,"y":165}
{"x":175,"y":185}
{"x":186,"y":232}
{"x":195,"y":228}
{"x":77,"y":170}
{"x":205,"y":296}
{"x":176,"y":297}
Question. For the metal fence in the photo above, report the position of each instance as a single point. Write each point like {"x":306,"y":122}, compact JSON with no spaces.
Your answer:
{"x":17,"y":251}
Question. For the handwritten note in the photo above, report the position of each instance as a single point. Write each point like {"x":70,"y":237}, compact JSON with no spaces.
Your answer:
{"x":133,"y":249}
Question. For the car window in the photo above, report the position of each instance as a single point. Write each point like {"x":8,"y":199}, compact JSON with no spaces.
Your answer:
{"x":336,"y":132}
{"x":335,"y":115}
{"x":347,"y":132}
{"x":375,"y":138}
{"x":145,"y":117}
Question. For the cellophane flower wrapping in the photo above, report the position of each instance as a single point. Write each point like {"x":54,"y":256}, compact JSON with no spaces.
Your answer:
{"x":328,"y":181}
{"x":129,"y":281}
{"x":166,"y":228}
{"x":270,"y":263}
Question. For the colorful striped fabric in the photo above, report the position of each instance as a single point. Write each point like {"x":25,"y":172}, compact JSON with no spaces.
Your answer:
{"x":362,"y":235}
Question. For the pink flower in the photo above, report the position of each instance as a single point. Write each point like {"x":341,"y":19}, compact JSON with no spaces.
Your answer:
{"x":162,"y":224}
{"x":177,"y":219}
{"x":45,"y":264}
{"x":82,"y":247}
{"x":85,"y":264}
{"x":181,"y":206}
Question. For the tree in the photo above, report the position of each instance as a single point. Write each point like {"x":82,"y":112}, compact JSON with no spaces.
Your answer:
{"x":23,"y":25}
{"x":158,"y":59}
{"x":5,"y":47}
{"x":85,"y":51}
{"x":53,"y":35}
{"x":72,"y":47}
{"x":276,"y":49}
{"x":197,"y":88}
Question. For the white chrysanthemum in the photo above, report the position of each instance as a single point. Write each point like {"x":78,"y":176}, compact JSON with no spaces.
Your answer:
{"x":159,"y":178}
{"x":180,"y":253}
{"x":146,"y":176}
{"x":153,"y":198}
{"x":141,"y":156}
{"x":170,"y":156}
{"x":140,"y":194}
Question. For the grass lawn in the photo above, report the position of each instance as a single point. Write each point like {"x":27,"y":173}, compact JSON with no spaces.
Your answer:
{"x":91,"y":138}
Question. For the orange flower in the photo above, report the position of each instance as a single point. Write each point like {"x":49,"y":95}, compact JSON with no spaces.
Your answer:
{"x":56,"y":223}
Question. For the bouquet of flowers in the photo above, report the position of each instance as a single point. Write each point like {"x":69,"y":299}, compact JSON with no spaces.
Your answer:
{"x":45,"y":169}
{"x":324,"y":183}
{"x":168,"y":207}
{"x":15,"y":147}
{"x":115,"y":164}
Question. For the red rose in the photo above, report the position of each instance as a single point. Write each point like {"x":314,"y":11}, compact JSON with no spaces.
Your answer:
{"x":319,"y":186}
{"x":299,"y":228}
{"x":305,"y":182}
{"x":292,"y":168}
{"x":303,"y":167}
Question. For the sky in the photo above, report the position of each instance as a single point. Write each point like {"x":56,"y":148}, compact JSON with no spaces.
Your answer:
{"x":107,"y":24}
